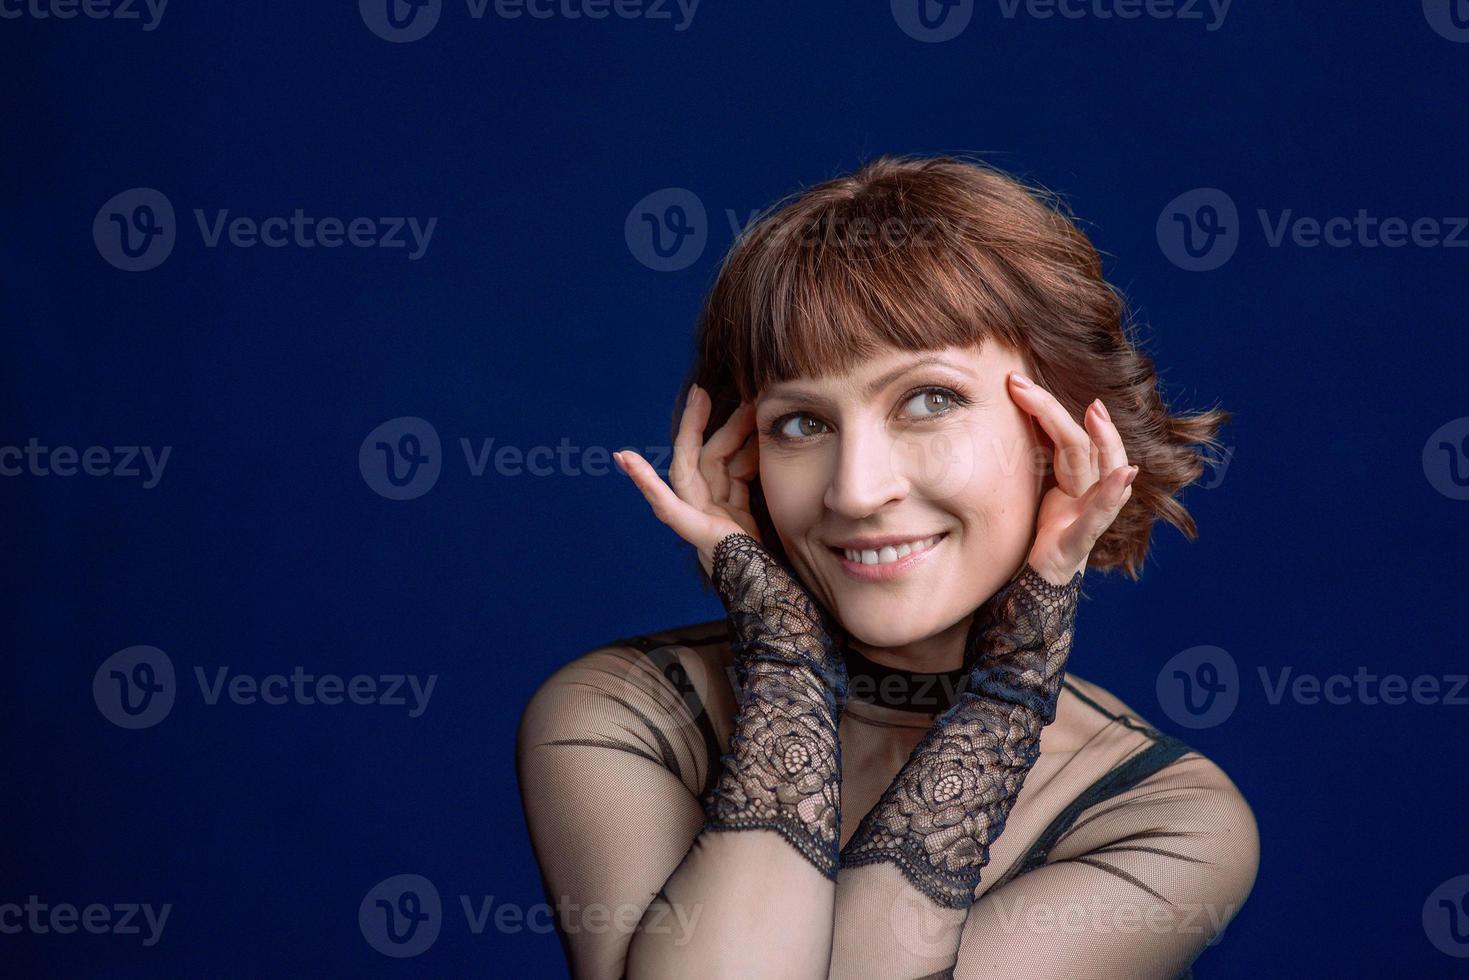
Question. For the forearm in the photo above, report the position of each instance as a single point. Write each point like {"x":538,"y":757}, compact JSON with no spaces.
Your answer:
{"x":762,"y":871}
{"x":911,"y":870}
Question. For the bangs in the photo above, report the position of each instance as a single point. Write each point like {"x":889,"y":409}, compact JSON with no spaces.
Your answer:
{"x":830,"y":290}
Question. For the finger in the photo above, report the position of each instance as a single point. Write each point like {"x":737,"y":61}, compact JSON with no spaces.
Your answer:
{"x":741,"y":469}
{"x":715,"y":457}
{"x":1075,"y":472}
{"x":1100,"y":506}
{"x":739,"y":497}
{"x":1111,"y":452}
{"x":744,"y":464}
{"x":667,"y":506}
{"x":683,"y":472}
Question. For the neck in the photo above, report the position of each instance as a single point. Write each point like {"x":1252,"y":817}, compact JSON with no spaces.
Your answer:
{"x":923,"y":676}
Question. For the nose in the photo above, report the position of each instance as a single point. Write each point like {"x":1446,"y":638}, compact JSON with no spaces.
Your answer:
{"x":866,"y":478}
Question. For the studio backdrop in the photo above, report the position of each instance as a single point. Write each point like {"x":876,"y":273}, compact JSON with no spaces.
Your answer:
{"x":319,"y":323}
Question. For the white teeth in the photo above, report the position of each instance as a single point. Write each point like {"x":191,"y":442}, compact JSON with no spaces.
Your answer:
{"x":889,"y":553}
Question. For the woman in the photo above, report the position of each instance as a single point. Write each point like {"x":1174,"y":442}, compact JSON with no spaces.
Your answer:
{"x":878,"y":765}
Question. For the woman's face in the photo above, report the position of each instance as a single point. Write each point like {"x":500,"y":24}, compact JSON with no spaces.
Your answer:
{"x":875,"y":464}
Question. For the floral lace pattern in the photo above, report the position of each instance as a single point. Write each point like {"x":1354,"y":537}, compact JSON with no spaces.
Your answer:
{"x":951,"y":798}
{"x":783,"y":770}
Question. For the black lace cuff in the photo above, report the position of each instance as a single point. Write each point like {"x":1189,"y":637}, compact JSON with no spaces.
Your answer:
{"x":783,"y":770}
{"x":1020,"y":641}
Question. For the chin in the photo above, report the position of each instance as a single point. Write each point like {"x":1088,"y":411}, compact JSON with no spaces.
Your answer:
{"x":876,"y":629}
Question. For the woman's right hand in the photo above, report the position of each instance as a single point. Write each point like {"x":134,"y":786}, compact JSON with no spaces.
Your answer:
{"x":710,"y":496}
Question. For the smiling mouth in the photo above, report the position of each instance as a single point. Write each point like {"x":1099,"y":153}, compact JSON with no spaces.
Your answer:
{"x":889,"y":554}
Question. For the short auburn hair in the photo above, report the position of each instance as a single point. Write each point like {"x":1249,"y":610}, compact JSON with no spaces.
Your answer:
{"x":921,"y":253}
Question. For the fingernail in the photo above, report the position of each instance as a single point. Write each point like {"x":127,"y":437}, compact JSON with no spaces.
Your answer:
{"x":1131,"y":476}
{"x":1102,"y":410}
{"x":1020,"y":380}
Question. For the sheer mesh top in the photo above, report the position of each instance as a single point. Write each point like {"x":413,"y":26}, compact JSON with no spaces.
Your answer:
{"x":714,"y":801}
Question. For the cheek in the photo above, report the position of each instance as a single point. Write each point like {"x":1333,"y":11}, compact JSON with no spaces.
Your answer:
{"x":793,"y":494}
{"x":982,"y":466}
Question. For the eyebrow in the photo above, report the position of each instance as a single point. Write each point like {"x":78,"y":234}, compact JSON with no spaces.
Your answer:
{"x":875,"y":385}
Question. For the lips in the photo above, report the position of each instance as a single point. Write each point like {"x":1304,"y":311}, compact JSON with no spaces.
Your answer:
{"x":883,"y":551}
{"x":894,"y":558}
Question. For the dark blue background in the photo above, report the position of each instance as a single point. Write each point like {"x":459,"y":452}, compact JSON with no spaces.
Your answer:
{"x":1325,"y":545}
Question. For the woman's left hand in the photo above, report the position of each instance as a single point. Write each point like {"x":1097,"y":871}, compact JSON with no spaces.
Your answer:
{"x":1092,"y":481}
